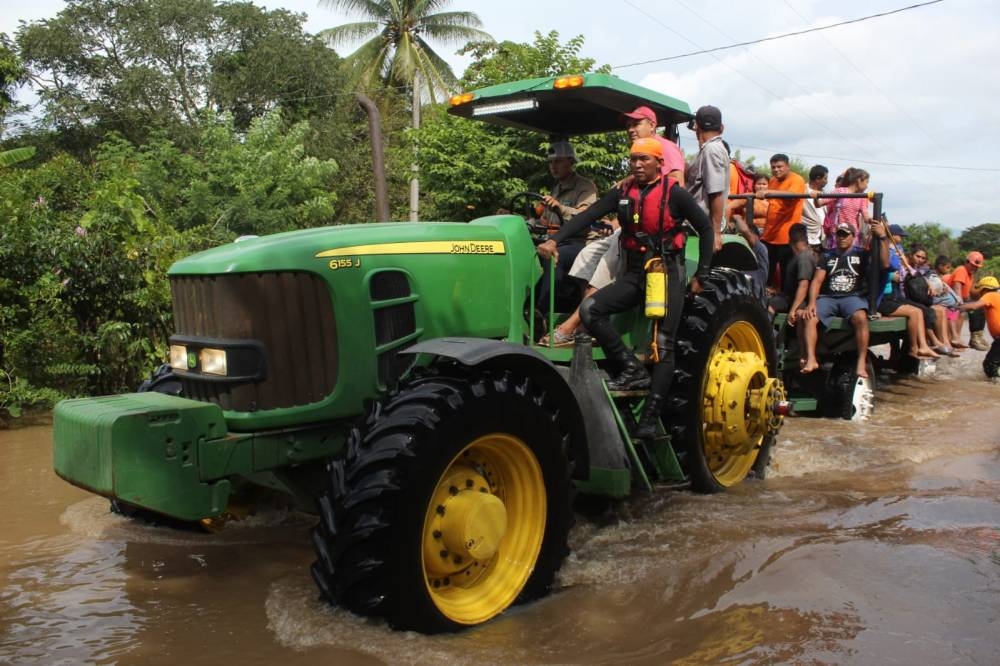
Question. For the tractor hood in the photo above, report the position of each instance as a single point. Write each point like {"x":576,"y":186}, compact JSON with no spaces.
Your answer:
{"x":314,"y":249}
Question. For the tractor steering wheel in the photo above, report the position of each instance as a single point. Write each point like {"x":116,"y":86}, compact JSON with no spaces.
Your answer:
{"x":530,"y":206}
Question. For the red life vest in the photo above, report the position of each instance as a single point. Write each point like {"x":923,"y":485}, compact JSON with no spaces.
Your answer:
{"x":651,"y":215}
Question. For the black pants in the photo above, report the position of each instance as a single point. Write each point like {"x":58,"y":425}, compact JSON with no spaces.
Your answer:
{"x":991,"y":364}
{"x":626,"y":292}
{"x":977,"y":320}
{"x":778,"y":255}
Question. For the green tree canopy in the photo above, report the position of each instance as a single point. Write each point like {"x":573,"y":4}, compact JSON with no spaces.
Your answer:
{"x":501,"y":62}
{"x":133,"y":65}
{"x":12,"y":75}
{"x":470,"y":168}
{"x":983,"y":237}
{"x":936,"y":240}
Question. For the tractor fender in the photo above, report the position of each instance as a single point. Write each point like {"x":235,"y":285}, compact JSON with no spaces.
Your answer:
{"x":735,"y":253}
{"x":499,"y":355}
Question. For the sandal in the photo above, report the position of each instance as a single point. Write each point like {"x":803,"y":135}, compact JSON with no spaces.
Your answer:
{"x":559,"y":339}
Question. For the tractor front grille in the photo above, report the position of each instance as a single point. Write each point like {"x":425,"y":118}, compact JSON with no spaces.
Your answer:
{"x":289,"y":313}
{"x":395,"y":323}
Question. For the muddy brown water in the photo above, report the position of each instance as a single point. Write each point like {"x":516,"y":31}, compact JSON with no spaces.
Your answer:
{"x":871,"y":543}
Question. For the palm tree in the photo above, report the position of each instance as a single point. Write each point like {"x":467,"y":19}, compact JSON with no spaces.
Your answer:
{"x":396,"y":52}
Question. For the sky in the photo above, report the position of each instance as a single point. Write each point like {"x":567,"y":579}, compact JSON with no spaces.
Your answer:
{"x":911,"y":97}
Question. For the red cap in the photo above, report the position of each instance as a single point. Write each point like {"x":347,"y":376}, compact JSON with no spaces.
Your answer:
{"x":639,"y":113}
{"x":975,"y":258}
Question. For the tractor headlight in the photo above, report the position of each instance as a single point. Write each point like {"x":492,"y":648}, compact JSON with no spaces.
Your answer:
{"x":213,"y":361}
{"x":178,"y":357}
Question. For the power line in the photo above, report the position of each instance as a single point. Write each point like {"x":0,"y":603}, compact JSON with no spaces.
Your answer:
{"x":866,"y":149}
{"x":861,"y":72}
{"x":761,"y":86}
{"x":771,"y":39}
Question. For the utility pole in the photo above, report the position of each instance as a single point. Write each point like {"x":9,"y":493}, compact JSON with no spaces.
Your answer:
{"x":414,"y":182}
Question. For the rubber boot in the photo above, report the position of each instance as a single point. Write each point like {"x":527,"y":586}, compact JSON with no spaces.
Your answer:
{"x":631,"y":377}
{"x":978,"y":342}
{"x":646,"y":428}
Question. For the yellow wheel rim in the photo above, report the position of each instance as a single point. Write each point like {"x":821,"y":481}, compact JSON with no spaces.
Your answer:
{"x":484,"y":528}
{"x":738,"y":403}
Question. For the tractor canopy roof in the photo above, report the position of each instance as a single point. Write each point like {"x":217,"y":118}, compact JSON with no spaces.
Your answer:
{"x":566,"y":105}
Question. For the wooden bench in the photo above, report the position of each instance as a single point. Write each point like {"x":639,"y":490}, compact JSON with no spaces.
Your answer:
{"x":883,"y":324}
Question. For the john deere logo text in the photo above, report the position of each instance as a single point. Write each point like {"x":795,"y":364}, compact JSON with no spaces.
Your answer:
{"x":417,"y":247}
{"x":475,"y":248}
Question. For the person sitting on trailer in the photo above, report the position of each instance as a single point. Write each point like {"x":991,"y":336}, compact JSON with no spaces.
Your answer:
{"x":794,"y":294}
{"x":840,"y":289}
{"x":650,"y":211}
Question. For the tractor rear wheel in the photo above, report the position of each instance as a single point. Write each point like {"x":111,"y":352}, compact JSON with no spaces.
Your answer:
{"x":721,"y":408}
{"x":452,"y":503}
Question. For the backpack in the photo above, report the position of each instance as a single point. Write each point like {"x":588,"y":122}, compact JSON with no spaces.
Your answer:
{"x":745,"y":175}
{"x":916,"y":289}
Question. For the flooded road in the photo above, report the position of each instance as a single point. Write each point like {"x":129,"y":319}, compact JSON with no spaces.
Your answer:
{"x":869,"y":543}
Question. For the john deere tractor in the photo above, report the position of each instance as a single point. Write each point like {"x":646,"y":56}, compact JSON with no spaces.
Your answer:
{"x":384,"y":377}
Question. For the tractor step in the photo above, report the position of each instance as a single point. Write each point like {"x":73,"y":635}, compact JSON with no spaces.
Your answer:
{"x":640,"y":393}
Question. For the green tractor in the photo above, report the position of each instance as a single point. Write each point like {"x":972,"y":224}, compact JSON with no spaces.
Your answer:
{"x":383,"y":376}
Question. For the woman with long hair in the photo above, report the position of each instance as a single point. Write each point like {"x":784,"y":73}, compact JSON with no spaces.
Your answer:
{"x":853,"y":212}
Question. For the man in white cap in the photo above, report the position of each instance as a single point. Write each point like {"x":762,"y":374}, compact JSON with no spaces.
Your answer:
{"x":708,"y":175}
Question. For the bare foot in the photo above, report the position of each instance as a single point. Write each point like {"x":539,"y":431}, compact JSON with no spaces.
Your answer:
{"x":808,"y":367}
{"x":927,"y":352}
{"x":959,"y":345}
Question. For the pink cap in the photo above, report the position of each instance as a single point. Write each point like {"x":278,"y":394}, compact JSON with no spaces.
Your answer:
{"x":975,"y":258}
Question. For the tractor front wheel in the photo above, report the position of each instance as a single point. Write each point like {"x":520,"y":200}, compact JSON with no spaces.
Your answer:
{"x":452,"y":503}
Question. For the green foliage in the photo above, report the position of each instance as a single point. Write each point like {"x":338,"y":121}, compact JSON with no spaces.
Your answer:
{"x":138,"y":65}
{"x":260,"y":183}
{"x":983,"y":237}
{"x":15,"y":155}
{"x":468,"y":169}
{"x":17,"y":396}
{"x":495,"y":63}
{"x":12,"y":74}
{"x":85,"y":248}
{"x":936,"y":239}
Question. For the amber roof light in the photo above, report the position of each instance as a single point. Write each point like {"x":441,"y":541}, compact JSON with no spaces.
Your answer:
{"x":462,"y":98}
{"x":568,"y":82}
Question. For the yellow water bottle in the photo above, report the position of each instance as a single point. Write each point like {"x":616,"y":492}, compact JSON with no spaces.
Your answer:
{"x":656,"y":289}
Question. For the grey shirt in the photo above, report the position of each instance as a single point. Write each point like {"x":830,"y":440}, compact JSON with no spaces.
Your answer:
{"x":708,"y":174}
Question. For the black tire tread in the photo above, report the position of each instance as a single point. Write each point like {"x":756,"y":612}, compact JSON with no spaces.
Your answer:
{"x":726,"y":291}
{"x":360,"y":530}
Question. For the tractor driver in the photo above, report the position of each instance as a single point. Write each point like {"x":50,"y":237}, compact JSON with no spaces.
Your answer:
{"x":650,"y":209}
{"x":571,"y":194}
